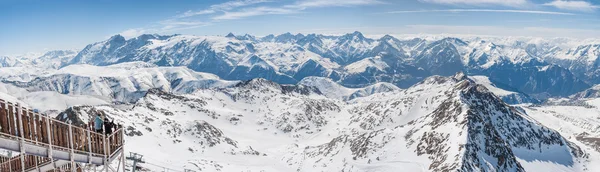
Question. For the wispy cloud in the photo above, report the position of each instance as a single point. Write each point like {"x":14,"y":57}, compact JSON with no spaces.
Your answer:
{"x":483,"y":10}
{"x":238,"y":9}
{"x":168,"y":25}
{"x":221,"y":7}
{"x":296,"y":7}
{"x":573,"y":5}
{"x":253,"y":12}
{"x":329,"y":3}
{"x":130,"y":33}
{"x":514,"y":3}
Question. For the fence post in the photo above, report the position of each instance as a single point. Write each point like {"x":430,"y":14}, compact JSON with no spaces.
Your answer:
{"x":71,"y":147}
{"x":49,"y":132}
{"x":123,"y":149}
{"x":104,"y":147}
{"x":89,"y":146}
{"x":22,"y":140}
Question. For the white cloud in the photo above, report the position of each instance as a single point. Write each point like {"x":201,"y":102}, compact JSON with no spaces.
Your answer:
{"x":130,"y":33}
{"x":297,"y":7}
{"x":573,"y":5}
{"x":329,"y":3}
{"x":191,"y":13}
{"x":221,"y":7}
{"x":480,"y":2}
{"x":253,"y":12}
{"x":483,"y":10}
{"x":174,"y":24}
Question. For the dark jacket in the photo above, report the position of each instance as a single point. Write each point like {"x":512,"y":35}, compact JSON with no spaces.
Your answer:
{"x":108,"y":126}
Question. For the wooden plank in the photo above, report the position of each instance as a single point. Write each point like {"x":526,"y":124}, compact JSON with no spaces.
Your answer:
{"x":40,"y":126}
{"x":55,"y":133}
{"x":43,"y":130}
{"x":30,"y":125}
{"x":25,"y":124}
{"x":65,"y":134}
{"x":61,"y":134}
{"x":33,"y":125}
{"x":12,"y":120}
{"x":4,"y":119}
{"x":94,"y":142}
{"x":98,"y":143}
{"x":38,"y":131}
{"x":83,"y":139}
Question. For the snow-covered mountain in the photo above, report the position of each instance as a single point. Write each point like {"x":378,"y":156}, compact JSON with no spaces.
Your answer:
{"x":120,"y":83}
{"x":439,"y":124}
{"x":582,"y":60}
{"x":354,"y":60}
{"x":126,"y":82}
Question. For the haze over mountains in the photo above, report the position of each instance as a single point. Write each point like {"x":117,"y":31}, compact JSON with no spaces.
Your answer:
{"x":295,"y":102}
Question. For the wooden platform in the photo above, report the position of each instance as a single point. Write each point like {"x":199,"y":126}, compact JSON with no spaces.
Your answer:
{"x":42,"y":141}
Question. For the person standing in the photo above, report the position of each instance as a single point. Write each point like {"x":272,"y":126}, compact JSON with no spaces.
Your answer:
{"x":108,"y":127}
{"x":98,"y":122}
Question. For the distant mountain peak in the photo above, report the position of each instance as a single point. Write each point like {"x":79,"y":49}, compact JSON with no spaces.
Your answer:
{"x":116,"y":37}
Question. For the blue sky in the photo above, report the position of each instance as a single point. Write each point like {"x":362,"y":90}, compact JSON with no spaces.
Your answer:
{"x":40,"y":25}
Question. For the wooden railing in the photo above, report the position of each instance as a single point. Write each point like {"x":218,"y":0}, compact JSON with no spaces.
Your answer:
{"x":14,"y":164}
{"x":19,"y":123}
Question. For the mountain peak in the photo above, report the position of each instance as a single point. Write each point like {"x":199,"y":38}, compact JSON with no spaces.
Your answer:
{"x":387,"y":37}
{"x":230,"y":35}
{"x":116,"y":37}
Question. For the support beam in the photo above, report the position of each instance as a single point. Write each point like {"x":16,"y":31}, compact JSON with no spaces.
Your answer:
{"x":22,"y":140}
{"x":49,"y":137}
{"x":71,"y":147}
{"x":122,"y":148}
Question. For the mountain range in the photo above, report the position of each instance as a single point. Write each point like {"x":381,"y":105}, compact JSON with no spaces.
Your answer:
{"x":540,"y":68}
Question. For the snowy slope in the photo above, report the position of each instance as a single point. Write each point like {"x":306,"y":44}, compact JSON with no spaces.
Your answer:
{"x":442,"y":123}
{"x":579,"y":122}
{"x":510,"y":97}
{"x":331,"y":89}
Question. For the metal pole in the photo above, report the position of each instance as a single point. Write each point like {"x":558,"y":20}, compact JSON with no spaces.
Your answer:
{"x":71,"y":152}
{"x":134,"y":166}
{"x":119,"y":165}
{"x":21,"y":147}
